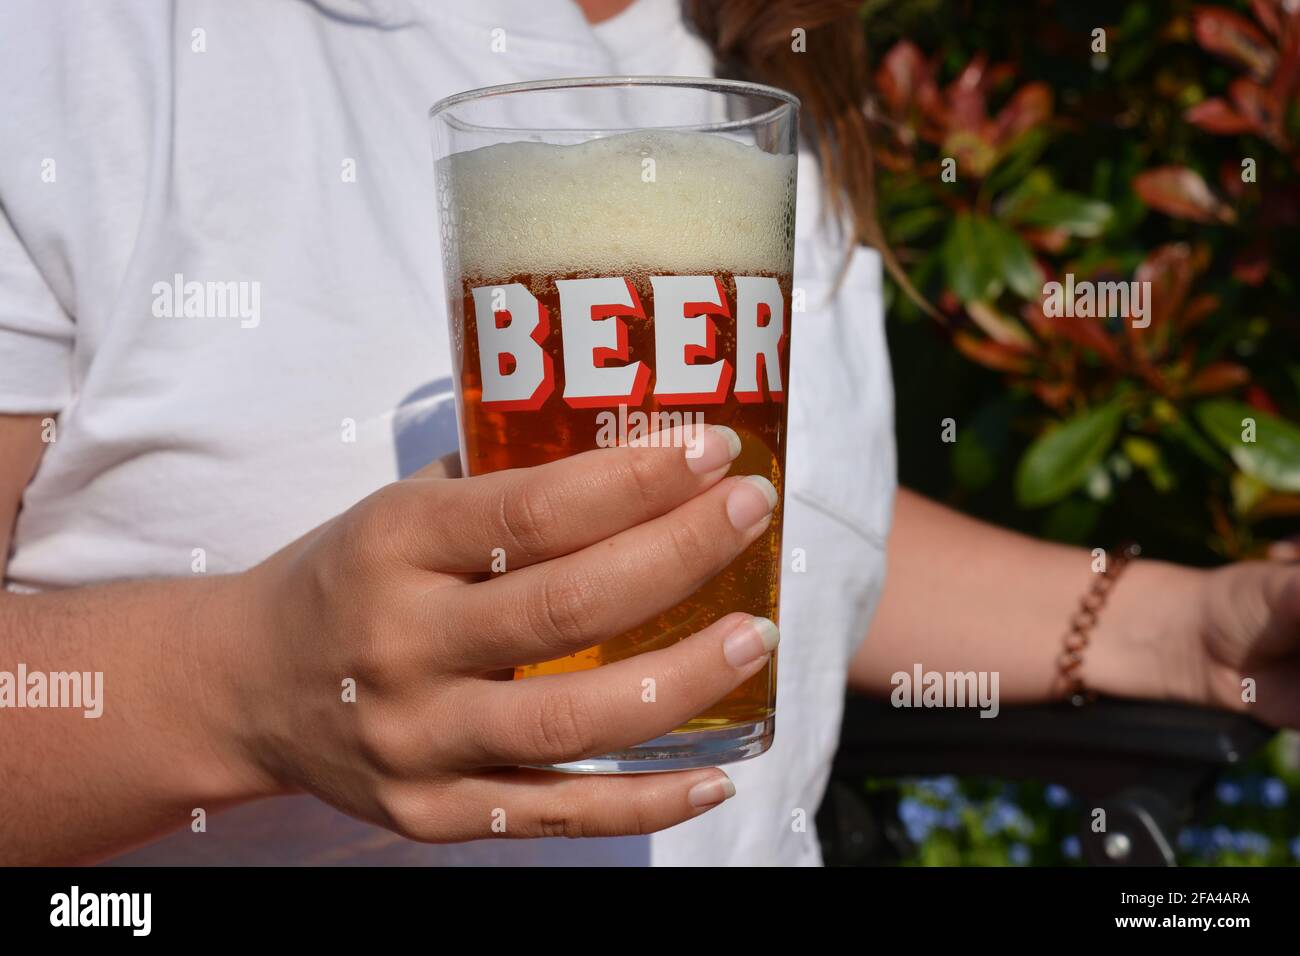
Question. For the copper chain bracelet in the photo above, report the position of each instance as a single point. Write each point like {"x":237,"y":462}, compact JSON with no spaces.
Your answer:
{"x":1085,"y":619}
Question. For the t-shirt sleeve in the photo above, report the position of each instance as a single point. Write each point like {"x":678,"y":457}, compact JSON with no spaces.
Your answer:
{"x":36,"y":334}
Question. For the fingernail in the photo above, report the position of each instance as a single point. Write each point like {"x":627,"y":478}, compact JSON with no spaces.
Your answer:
{"x":750,"y":502}
{"x":711,"y":792}
{"x":717,"y":446}
{"x":756,"y":638}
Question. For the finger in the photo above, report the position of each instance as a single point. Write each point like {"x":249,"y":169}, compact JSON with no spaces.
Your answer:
{"x":562,"y":606}
{"x":518,"y":804}
{"x":564,"y":717}
{"x":514,"y":518}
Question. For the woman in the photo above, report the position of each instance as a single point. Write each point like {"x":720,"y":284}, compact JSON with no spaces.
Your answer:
{"x":209,"y":508}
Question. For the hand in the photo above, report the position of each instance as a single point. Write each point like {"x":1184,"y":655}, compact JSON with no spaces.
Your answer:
{"x":395,"y":594}
{"x":1250,"y":628}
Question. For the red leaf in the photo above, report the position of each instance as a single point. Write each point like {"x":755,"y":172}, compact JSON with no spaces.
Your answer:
{"x":1170,"y":270}
{"x":1251,"y":265}
{"x":992,"y":355}
{"x":966,"y":105}
{"x":1216,"y":116}
{"x":1053,"y":394}
{"x":1047,"y":239}
{"x":1230,"y":179}
{"x":901,"y":75}
{"x":1088,"y":334}
{"x":1043,"y":327}
{"x":1256,"y":397}
{"x":998,"y":327}
{"x":1234,"y":38}
{"x":1197,"y":310}
{"x":1029,"y":107}
{"x":1267,"y":13}
{"x":1218,"y":377}
{"x":1181,"y":192}
{"x":1260,"y":106}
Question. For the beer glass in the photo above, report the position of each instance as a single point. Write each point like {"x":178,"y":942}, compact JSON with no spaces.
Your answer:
{"x":618,"y":255}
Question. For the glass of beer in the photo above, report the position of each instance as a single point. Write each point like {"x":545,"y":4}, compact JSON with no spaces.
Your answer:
{"x":618,"y":257}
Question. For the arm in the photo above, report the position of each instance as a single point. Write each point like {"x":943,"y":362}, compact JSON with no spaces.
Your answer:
{"x":228,"y":688}
{"x":962,"y":595}
{"x":77,"y":789}
{"x":20,"y":440}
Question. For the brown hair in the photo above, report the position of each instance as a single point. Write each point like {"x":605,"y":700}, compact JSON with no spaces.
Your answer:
{"x":755,"y":40}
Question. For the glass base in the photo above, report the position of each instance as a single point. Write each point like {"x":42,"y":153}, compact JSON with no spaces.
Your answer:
{"x":685,"y":750}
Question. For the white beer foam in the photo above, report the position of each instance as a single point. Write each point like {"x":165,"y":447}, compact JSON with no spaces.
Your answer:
{"x":714,"y":205}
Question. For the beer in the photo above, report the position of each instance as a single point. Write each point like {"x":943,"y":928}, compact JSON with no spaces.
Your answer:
{"x":603,"y":290}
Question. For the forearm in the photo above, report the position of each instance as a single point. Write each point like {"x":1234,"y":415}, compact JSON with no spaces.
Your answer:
{"x":76,"y":788}
{"x":961,"y":595}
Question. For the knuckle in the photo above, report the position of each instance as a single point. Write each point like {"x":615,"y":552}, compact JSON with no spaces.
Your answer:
{"x":562,"y":820}
{"x":388,"y":745}
{"x":645,"y":475}
{"x":372,"y":657}
{"x":408,"y":811}
{"x":564,"y":605}
{"x":563,"y":728}
{"x":636,"y":820}
{"x":691,"y":547}
{"x":374,"y":524}
{"x":528,"y":519}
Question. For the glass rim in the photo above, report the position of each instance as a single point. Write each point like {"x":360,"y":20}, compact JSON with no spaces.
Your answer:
{"x":784,"y":100}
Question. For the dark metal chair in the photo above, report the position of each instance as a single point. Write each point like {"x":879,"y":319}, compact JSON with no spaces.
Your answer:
{"x":1148,"y":765}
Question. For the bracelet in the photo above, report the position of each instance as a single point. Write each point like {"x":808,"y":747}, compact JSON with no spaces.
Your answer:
{"x":1085,"y":619}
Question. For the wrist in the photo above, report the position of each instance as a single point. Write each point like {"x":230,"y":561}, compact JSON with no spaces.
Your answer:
{"x":1147,"y":640}
{"x":220,"y":662}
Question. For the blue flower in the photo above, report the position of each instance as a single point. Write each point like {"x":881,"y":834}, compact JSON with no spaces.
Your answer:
{"x":945,"y":788}
{"x":1072,"y":850}
{"x":1018,"y":854}
{"x":1220,"y":838}
{"x":1228,"y":792}
{"x":1056,"y":796}
{"x":1273,"y":793}
{"x":918,"y":818}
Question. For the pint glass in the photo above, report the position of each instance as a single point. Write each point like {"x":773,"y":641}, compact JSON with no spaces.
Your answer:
{"x":618,"y":256}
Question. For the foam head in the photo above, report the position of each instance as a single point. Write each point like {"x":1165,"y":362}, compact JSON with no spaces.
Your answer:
{"x":659,"y":201}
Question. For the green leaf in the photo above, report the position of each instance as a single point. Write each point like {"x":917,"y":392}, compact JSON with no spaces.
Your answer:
{"x":1273,"y":458}
{"x":969,"y":269}
{"x":981,"y":257}
{"x":1071,"y":521}
{"x":1181,"y":431}
{"x":973,"y":465}
{"x":907,"y":226}
{"x":1246,"y":492}
{"x":1060,"y":460}
{"x":1015,"y":166}
{"x":1016,"y":264}
{"x":981,"y":445}
{"x":1077,"y":215}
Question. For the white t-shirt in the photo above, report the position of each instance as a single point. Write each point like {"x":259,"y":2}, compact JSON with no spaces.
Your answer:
{"x":216,"y":140}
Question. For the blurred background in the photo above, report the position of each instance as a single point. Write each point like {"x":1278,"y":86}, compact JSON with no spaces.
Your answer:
{"x":1117,"y":141}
